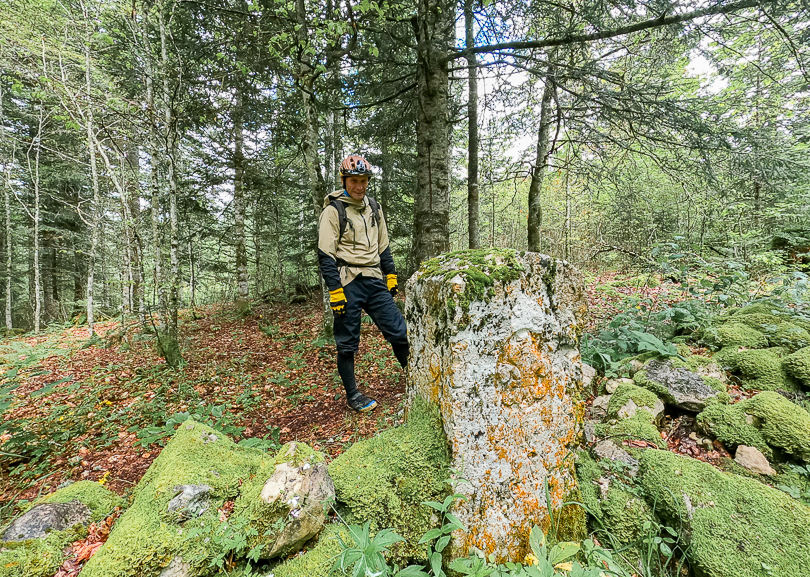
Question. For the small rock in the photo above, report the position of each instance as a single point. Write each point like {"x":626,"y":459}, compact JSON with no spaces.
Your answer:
{"x":628,"y":410}
{"x":635,"y":366}
{"x":610,"y":451}
{"x":753,"y":460}
{"x":177,"y":568}
{"x":588,"y":374}
{"x":613,"y":384}
{"x":589,"y":431}
{"x":599,"y":407}
{"x":47,"y":517}
{"x":707,"y":444}
{"x":684,"y":389}
{"x":693,"y":436}
{"x":192,"y":501}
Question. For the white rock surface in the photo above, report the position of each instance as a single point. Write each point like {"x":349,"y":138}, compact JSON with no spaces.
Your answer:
{"x":502,"y":362}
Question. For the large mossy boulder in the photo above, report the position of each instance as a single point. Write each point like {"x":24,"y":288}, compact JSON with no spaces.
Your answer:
{"x":797,"y":365}
{"x":766,"y":421}
{"x":151,"y":537}
{"x":731,"y":525}
{"x":385,"y":479}
{"x":677,"y":386}
{"x":41,"y":557}
{"x":762,"y":369}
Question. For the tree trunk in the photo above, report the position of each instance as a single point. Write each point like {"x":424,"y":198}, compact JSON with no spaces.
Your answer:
{"x":306,"y":79}
{"x":540,"y":164}
{"x":7,"y":201}
{"x":434,"y":31}
{"x":170,"y":344}
{"x":91,"y":149}
{"x":242,"y":302}
{"x":133,"y":211}
{"x":36,"y":240}
{"x":473,"y":232}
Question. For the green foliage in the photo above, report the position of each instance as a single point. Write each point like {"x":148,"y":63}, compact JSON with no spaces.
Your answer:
{"x":799,"y":487}
{"x":364,"y":555}
{"x":214,"y":416}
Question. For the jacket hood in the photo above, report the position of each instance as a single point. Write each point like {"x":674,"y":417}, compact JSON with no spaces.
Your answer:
{"x":338,"y":195}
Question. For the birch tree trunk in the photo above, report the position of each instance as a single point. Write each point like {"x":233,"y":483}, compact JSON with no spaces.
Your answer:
{"x":473,"y":232}
{"x":36,"y":216}
{"x":434,"y":31}
{"x":91,"y":149}
{"x":7,"y":202}
{"x":540,"y":164}
{"x":306,"y":79}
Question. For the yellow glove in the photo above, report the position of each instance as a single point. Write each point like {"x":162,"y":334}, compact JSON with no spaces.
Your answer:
{"x":337,"y":300}
{"x":391,"y":280}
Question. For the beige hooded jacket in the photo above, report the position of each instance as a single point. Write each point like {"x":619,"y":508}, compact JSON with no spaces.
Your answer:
{"x":362,"y":240}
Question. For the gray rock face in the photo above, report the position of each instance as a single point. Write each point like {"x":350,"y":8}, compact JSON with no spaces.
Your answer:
{"x":306,"y":490}
{"x":177,"y":568}
{"x":192,"y":501}
{"x":494,"y":344}
{"x":612,"y":452}
{"x":681,"y":387}
{"x":599,"y":407}
{"x":47,"y":517}
{"x":752,"y":459}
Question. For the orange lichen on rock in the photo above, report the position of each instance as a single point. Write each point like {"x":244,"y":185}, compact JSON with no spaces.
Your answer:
{"x":501,"y":360}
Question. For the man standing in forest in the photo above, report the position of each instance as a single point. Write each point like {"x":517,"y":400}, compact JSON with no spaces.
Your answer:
{"x":359,"y":271}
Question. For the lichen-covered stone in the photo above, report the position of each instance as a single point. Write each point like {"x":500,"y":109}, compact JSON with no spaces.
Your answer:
{"x":678,"y":386}
{"x":39,"y":520}
{"x":494,"y":342}
{"x":639,"y":397}
{"x":385,"y":479}
{"x":762,"y":370}
{"x":732,"y":525}
{"x":797,"y":365}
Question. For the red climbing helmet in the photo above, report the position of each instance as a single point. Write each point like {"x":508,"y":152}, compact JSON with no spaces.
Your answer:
{"x":355,"y":165}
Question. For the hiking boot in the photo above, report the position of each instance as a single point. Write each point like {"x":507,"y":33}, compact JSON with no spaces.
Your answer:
{"x":361,"y":403}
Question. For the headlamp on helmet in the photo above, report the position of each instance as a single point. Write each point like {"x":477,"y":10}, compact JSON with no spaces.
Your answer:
{"x":355,"y":165}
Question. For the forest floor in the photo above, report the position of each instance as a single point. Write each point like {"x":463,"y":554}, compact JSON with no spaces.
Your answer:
{"x":76,"y":412}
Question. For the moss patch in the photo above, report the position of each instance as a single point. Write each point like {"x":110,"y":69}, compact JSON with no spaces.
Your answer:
{"x":42,"y":557}
{"x":729,"y":424}
{"x":320,"y":558}
{"x":99,"y":500}
{"x":740,"y":335}
{"x":797,"y":365}
{"x":762,"y":370}
{"x":639,"y":426}
{"x":791,"y":337}
{"x":384,"y":479}
{"x":784,"y":424}
{"x":733,"y":525}
{"x":626,"y":392}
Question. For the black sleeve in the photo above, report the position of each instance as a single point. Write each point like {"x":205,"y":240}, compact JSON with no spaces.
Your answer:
{"x":387,"y":262}
{"x":329,"y":270}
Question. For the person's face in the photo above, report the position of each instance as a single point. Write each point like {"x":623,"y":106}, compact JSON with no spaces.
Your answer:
{"x":356,"y":186}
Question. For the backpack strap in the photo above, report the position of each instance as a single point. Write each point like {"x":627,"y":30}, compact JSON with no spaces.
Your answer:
{"x":341,"y":210}
{"x":375,"y":211}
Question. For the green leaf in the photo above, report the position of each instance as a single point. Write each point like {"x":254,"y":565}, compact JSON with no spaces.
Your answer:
{"x":537,"y":542}
{"x":430,"y":535}
{"x":412,"y":571}
{"x":562,"y":551}
{"x":442,"y":543}
{"x":455,"y":521}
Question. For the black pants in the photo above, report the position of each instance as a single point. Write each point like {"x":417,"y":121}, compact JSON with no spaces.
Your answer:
{"x":371,"y":295}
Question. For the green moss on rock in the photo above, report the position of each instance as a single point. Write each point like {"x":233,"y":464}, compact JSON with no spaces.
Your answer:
{"x":639,"y":426}
{"x":762,"y":370}
{"x":783,"y":424}
{"x":319,"y":558}
{"x":733,"y":526}
{"x":99,"y":500}
{"x":740,"y":335}
{"x":731,"y":425}
{"x":42,"y":557}
{"x":766,"y":324}
{"x":797,"y":365}
{"x":627,"y":392}
{"x":142,"y":542}
{"x":38,"y":557}
{"x":791,"y":337}
{"x":386,"y":478}
{"x":624,"y":514}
